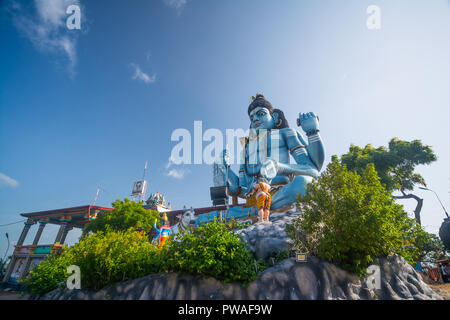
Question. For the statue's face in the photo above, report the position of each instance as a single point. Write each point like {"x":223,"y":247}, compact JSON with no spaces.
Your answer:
{"x":261,"y":118}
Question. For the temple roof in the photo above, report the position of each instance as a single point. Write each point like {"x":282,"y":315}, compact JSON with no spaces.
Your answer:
{"x":157,"y":199}
{"x":75,"y":216}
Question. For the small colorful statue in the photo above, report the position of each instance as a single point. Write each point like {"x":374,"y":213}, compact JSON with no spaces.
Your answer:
{"x":163,"y":233}
{"x":263,"y":197}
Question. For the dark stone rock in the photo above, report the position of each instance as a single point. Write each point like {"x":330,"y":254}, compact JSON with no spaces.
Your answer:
{"x":401,"y":288}
{"x":145,"y":294}
{"x":315,"y":279}
{"x":269,"y":247}
{"x":266,"y":239}
{"x":306,"y":282}
{"x":389,"y":293}
{"x":412,"y":288}
{"x":420,"y":296}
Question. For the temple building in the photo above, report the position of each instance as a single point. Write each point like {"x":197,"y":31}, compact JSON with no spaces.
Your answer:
{"x":157,"y":202}
{"x":26,"y":257}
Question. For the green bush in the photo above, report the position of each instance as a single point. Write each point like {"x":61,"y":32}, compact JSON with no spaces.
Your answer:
{"x":103,"y":258}
{"x":108,"y":257}
{"x":350,"y":220}
{"x":212,"y":249}
{"x":48,"y":274}
{"x":126,"y":214}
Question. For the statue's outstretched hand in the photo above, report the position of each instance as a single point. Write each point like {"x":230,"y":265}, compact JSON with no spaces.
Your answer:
{"x":308,"y":121}
{"x":269,"y":169}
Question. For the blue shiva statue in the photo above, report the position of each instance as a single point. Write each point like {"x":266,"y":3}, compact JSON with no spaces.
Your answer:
{"x":266,"y":154}
{"x":265,"y":121}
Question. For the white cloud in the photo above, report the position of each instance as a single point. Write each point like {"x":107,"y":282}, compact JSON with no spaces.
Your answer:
{"x":169,"y":163}
{"x":8,"y":181}
{"x":176,"y":4}
{"x":44,"y":24}
{"x":175,"y":173}
{"x":139,"y":74}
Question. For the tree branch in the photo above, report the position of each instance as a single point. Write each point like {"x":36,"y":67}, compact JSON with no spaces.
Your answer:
{"x":418,"y":207}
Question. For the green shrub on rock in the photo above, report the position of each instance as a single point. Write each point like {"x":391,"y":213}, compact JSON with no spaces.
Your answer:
{"x":212,"y":249}
{"x":105,"y":258}
{"x":351,"y":220}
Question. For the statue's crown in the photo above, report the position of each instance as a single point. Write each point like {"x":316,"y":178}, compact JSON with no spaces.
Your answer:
{"x":253,"y":98}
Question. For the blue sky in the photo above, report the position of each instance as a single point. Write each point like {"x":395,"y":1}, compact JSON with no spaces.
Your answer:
{"x":86,"y":108}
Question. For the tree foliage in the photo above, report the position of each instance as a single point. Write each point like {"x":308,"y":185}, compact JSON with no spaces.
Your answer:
{"x":126,"y":214}
{"x":430,"y":246}
{"x":395,"y":165}
{"x":351,"y":219}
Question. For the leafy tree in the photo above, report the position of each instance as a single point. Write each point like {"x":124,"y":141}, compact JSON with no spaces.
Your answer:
{"x":126,"y":214}
{"x":351,"y":219}
{"x":395,"y":166}
{"x":430,"y":246}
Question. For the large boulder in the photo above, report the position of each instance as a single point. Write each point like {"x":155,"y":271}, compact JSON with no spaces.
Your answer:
{"x":266,"y":239}
{"x":312,"y":280}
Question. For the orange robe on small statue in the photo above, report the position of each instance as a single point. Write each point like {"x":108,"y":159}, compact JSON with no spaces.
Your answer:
{"x":263,"y":196}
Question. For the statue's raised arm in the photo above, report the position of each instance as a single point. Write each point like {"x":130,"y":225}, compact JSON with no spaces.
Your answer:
{"x":309,"y":122}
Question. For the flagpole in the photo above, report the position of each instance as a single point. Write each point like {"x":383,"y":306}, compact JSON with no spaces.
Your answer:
{"x":143,"y":177}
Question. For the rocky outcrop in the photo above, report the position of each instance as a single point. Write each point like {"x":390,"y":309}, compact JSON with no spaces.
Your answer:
{"x":267,"y":239}
{"x":314,"y":279}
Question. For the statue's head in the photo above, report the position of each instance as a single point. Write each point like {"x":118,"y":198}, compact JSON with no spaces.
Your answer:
{"x":264,"y":116}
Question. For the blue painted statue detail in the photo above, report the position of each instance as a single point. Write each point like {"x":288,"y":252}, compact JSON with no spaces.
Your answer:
{"x":266,"y":154}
